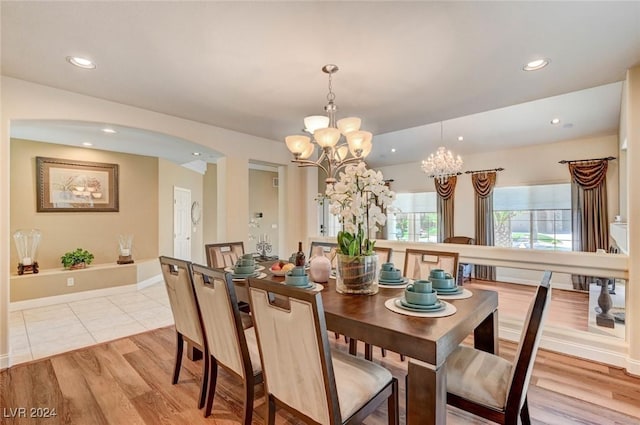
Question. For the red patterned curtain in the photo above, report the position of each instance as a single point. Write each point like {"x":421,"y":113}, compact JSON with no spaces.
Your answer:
{"x":445,"y":191}
{"x":483,"y":184}
{"x":589,"y":215}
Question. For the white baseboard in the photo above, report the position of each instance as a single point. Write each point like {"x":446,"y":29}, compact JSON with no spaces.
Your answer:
{"x":149,"y":282}
{"x":633,"y":366}
{"x":79,"y":296}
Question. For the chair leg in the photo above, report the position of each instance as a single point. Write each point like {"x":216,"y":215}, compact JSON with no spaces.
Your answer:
{"x":368,"y":352}
{"x":205,"y":378}
{"x":383,"y":352}
{"x":213,"y":379}
{"x":337,"y":335}
{"x":393,"y":404}
{"x":346,"y":339}
{"x":402,"y":357}
{"x":178,"y":365}
{"x":353,"y":347}
{"x":524,"y":413}
{"x":271,"y":414}
{"x":248,"y":400}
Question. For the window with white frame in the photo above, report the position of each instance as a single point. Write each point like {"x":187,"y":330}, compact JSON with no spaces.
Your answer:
{"x":417,"y":220}
{"x":533,"y":217}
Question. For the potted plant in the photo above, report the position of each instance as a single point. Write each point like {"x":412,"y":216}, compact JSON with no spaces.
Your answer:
{"x":78,"y":259}
{"x":358,"y":198}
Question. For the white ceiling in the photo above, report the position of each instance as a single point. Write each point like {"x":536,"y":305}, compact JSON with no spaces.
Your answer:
{"x":254,"y":67}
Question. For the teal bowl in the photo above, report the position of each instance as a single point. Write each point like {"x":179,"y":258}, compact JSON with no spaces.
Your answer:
{"x":292,"y":280}
{"x":390,"y":274}
{"x":420,"y":298}
{"x":449,"y":283}
{"x":437,"y":274}
{"x":244,"y":269}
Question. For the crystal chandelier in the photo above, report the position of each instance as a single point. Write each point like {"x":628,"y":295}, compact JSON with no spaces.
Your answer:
{"x":340,"y":142}
{"x":442,"y":164}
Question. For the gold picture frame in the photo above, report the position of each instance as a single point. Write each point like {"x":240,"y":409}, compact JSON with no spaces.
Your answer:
{"x":65,"y":185}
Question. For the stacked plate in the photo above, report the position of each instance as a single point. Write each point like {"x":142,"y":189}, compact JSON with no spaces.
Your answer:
{"x":449,"y":291}
{"x":426,"y":308}
{"x":400,"y":281}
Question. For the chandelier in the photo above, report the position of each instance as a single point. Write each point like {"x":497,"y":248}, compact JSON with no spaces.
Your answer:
{"x":340,"y":143}
{"x":442,"y":164}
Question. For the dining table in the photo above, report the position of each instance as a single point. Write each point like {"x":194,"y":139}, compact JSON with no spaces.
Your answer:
{"x":426,"y":341}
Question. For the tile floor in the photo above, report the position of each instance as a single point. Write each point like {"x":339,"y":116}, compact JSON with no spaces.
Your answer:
{"x":41,"y":332}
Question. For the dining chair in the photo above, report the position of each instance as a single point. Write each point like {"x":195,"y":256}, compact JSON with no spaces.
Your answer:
{"x":301,"y":374}
{"x":418,"y":263}
{"x":227,"y":343}
{"x":464,"y":269}
{"x":221,"y":255}
{"x":488,"y":385}
{"x":179,"y":283}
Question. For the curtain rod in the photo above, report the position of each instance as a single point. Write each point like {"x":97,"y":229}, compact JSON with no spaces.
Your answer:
{"x":435,"y":176}
{"x":484,"y":171}
{"x":565,"y":161}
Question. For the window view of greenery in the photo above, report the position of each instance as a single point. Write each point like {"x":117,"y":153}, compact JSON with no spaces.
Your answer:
{"x":533,"y":217}
{"x":415,"y":218}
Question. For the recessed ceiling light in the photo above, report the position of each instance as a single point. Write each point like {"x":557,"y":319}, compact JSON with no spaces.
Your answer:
{"x":536,"y":64}
{"x":460,"y":138}
{"x":81,"y":62}
{"x":555,"y":121}
{"x":87,"y":144}
{"x":393,"y":149}
{"x":196,"y":153}
{"x":109,"y":130}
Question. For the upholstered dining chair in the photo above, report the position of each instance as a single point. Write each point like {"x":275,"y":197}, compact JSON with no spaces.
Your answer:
{"x":418,"y":263}
{"x":301,"y":374}
{"x":221,"y":255}
{"x":491,"y":387}
{"x":178,"y":281}
{"x":227,"y":343}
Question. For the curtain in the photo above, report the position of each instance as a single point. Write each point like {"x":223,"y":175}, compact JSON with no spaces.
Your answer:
{"x":589,"y":215}
{"x":483,"y":184}
{"x":445,"y":192}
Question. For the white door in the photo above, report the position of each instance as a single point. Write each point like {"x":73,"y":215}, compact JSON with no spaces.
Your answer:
{"x":181,"y":223}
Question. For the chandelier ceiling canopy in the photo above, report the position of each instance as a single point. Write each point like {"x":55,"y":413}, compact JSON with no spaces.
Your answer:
{"x":339,"y":142}
{"x":442,"y":164}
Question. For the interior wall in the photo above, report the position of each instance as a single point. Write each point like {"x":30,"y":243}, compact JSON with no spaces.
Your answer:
{"x":263,"y":198}
{"x":172,"y":175}
{"x":210,"y":205}
{"x":529,"y":165}
{"x":95,"y":231}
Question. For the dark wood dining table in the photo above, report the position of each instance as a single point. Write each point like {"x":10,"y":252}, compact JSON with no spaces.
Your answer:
{"x":426,"y":341}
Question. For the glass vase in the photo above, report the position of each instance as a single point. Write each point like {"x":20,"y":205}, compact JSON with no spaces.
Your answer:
{"x":357,"y":274}
{"x":27,"y":242}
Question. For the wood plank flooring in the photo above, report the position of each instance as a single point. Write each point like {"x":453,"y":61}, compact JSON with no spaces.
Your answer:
{"x":128,"y":381}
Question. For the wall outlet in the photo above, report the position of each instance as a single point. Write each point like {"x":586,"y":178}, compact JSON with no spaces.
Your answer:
{"x":70,"y":281}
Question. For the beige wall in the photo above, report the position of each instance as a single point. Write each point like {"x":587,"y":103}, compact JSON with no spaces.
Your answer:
{"x":171,"y":175}
{"x":95,"y":231}
{"x":523,"y":166}
{"x":210,"y":204}
{"x":263,"y":197}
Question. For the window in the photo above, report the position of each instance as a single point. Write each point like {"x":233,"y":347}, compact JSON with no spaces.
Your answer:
{"x":533,"y":217}
{"x":417,"y":220}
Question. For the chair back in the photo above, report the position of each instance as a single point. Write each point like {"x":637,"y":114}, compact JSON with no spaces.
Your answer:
{"x":528,"y":346}
{"x":328,"y":249}
{"x":220,"y":255}
{"x":418,"y":263}
{"x":294,"y":348}
{"x":179,"y":284}
{"x":223,"y":329}
{"x":463,"y":240}
{"x":384,"y":254}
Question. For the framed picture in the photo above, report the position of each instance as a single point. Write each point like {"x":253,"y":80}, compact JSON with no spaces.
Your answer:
{"x":76,"y":186}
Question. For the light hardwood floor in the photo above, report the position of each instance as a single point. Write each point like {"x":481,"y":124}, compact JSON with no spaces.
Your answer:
{"x":128,"y":381}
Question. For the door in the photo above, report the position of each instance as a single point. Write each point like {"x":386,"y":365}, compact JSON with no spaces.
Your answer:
{"x":181,"y":223}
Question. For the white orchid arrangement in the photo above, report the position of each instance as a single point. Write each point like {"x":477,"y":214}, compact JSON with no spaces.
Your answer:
{"x":359,"y":198}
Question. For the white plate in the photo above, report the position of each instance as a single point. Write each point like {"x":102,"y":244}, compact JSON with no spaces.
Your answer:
{"x":231,"y":269}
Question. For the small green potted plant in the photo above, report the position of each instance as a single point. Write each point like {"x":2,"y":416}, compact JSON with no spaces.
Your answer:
{"x":78,"y":259}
